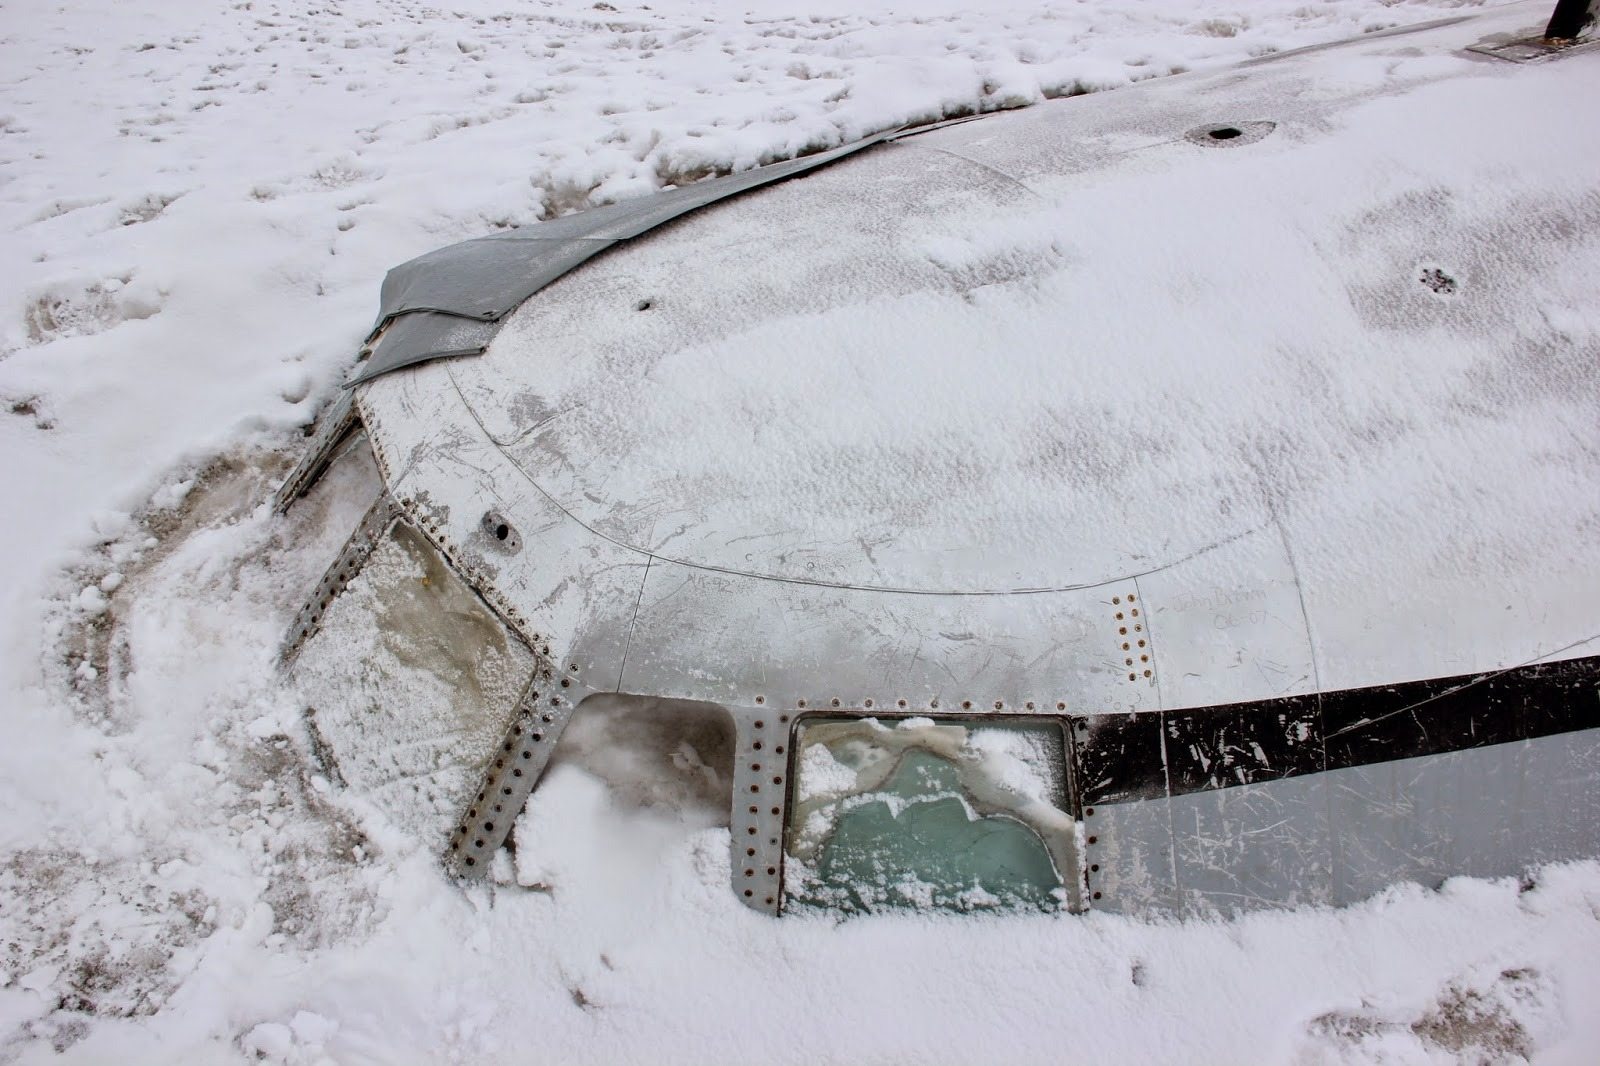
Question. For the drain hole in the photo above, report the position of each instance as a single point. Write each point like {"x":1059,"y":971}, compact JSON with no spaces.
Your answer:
{"x":1226,"y":133}
{"x":502,"y":531}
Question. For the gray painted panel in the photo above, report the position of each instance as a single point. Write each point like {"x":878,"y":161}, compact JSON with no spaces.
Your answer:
{"x":484,"y":278}
{"x":1339,"y":837}
{"x":425,"y":335}
{"x":1132,"y":846}
{"x":1253,"y":847}
{"x":1486,"y":812}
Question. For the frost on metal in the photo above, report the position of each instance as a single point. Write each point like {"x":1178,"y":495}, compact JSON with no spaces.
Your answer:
{"x":410,"y":685}
{"x":1240,"y":432}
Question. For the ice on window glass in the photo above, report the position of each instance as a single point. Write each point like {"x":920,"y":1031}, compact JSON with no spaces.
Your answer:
{"x":921,"y":814}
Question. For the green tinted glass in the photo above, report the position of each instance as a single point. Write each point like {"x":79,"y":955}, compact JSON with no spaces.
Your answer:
{"x":952,"y":815}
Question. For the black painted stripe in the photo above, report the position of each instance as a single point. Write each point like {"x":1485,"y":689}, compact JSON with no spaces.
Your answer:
{"x":1151,"y":754}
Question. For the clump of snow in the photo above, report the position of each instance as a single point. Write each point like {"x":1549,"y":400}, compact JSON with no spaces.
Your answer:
{"x":1020,"y":761}
{"x":820,"y":776}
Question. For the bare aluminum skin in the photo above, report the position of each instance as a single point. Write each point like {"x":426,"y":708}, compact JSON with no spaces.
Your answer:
{"x":731,"y":475}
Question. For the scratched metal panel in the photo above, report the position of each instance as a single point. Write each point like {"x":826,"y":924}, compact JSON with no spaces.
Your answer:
{"x":709,"y":635}
{"x":1485,"y":812}
{"x":1119,"y":757}
{"x":1128,"y":852}
{"x":1338,"y":837}
{"x":1255,"y":846}
{"x":569,"y":590}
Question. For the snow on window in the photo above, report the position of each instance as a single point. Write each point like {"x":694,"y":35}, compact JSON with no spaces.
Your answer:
{"x":923,"y":814}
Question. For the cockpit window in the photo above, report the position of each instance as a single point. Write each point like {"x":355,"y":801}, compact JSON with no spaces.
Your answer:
{"x":921,"y":814}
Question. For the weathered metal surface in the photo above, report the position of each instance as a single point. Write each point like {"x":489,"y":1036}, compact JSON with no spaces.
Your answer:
{"x":750,"y":484}
{"x":959,"y":535}
{"x":485,"y":278}
{"x":513,"y":768}
{"x":338,"y":422}
{"x":418,"y":337}
{"x":411,"y":681}
{"x":1467,"y":775}
{"x":1340,"y":836}
{"x":760,"y":800}
{"x":366,"y":537}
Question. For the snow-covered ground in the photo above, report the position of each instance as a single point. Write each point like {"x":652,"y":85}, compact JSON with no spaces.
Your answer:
{"x":199,"y":203}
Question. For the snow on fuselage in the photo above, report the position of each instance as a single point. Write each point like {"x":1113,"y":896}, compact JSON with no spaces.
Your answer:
{"x":1224,"y":388}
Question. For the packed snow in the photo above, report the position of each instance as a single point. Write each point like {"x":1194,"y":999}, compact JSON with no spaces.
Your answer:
{"x":200,"y":202}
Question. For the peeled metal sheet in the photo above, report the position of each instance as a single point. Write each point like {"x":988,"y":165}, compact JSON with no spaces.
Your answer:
{"x":421,"y":336}
{"x":481,"y":280}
